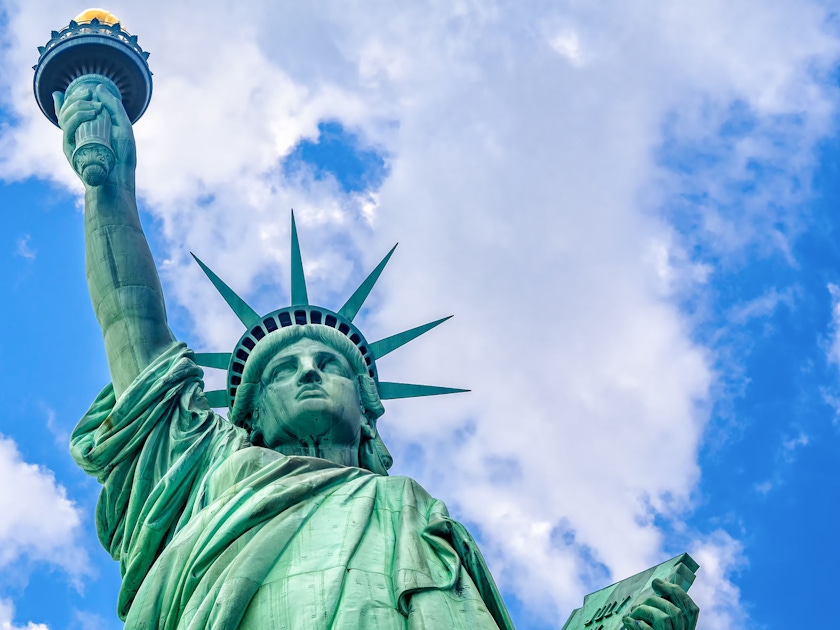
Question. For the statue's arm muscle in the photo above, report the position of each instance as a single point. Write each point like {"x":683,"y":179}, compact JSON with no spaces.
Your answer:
{"x":123,"y":283}
{"x":122,"y":278}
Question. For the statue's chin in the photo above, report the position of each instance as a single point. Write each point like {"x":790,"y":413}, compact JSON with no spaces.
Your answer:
{"x":94,"y":174}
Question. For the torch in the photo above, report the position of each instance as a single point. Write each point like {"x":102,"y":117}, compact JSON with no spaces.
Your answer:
{"x":94,"y":49}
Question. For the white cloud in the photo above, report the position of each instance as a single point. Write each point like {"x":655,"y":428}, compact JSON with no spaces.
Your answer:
{"x":790,"y":445}
{"x":834,"y":345}
{"x":7,"y":615}
{"x":531,"y":199}
{"x":785,"y":456}
{"x":765,"y":487}
{"x":24,"y":248}
{"x":568,"y":45}
{"x":720,"y":557}
{"x":762,"y":306}
{"x":59,"y":433}
{"x":37,"y":520}
{"x":90,"y":621}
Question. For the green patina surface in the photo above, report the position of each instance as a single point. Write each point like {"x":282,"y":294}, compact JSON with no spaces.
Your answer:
{"x":214,"y":532}
{"x":282,"y":515}
{"x":604,"y":609}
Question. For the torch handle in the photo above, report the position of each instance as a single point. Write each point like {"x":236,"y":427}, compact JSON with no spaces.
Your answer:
{"x":93,"y":158}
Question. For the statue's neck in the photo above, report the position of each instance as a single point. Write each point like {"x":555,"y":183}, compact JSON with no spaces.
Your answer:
{"x":342,"y":455}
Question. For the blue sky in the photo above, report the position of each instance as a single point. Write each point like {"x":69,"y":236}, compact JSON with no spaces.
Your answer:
{"x":631,"y":212}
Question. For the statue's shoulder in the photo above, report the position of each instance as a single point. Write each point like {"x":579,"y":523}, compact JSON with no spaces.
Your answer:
{"x":400,"y":492}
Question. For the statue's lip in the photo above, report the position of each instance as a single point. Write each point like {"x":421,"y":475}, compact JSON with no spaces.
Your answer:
{"x":311,"y":391}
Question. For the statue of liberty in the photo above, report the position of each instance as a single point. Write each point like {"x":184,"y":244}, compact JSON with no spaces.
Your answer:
{"x":281,"y":516}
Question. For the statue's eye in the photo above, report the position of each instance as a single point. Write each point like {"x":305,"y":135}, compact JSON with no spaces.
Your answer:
{"x":331,"y":365}
{"x":284,"y":369}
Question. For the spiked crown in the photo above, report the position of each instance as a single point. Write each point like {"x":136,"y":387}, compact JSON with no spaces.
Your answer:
{"x":302,"y":313}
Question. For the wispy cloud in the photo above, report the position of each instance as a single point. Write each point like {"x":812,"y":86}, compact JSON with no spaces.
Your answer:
{"x":59,"y":433}
{"x":833,"y":352}
{"x":786,"y":455}
{"x":24,"y":248}
{"x":792,"y":444}
{"x":7,"y":618}
{"x":90,"y":621}
{"x":764,"y":305}
{"x":568,"y":45}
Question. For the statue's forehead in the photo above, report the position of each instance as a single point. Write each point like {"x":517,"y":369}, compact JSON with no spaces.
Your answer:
{"x":305,"y":346}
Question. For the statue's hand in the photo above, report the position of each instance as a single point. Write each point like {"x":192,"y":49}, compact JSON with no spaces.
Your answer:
{"x":85,"y":105}
{"x":673,"y":609}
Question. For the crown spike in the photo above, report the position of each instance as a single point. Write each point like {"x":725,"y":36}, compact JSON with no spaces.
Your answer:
{"x":354,"y":304}
{"x":299,"y":297}
{"x":389,"y":344}
{"x":390,"y":391}
{"x":217,"y":399}
{"x":245,"y":313}
{"x":219,"y":360}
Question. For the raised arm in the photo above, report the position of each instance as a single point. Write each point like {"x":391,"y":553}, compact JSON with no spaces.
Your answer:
{"x":123,"y":281}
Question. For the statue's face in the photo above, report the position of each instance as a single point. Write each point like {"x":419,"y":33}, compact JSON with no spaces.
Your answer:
{"x":310,"y":398}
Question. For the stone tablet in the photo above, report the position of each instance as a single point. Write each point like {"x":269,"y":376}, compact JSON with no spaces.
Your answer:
{"x":604,"y":609}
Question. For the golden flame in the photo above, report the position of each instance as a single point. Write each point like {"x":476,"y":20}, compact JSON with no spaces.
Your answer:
{"x":105,"y":17}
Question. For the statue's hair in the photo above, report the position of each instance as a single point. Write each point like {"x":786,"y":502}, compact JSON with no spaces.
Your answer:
{"x":373,"y":455}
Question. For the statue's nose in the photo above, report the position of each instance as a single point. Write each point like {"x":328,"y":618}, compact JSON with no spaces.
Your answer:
{"x":310,"y":375}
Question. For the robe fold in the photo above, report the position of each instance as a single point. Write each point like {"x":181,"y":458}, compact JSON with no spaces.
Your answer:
{"x":214,"y":533}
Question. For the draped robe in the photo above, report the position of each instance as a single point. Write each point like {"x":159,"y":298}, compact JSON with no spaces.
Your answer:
{"x":212,"y":532}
